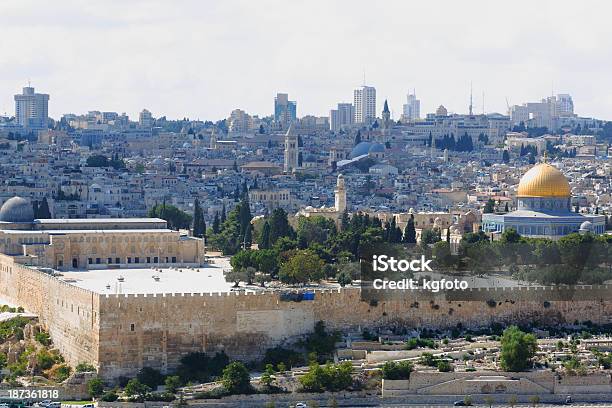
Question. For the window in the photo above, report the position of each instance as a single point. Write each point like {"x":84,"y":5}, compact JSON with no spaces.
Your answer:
{"x":110,"y":260}
{"x":117,"y":260}
{"x":174,"y":259}
{"x":148,"y":259}
{"x":89,"y":261}
{"x":97,"y":260}
{"x":137,"y":260}
{"x":167,"y":260}
{"x":129,"y":260}
{"x":132,"y":327}
{"x":155,"y":259}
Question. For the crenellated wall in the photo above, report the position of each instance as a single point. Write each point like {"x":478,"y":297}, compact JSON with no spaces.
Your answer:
{"x":245,"y":325}
{"x":123,"y":333}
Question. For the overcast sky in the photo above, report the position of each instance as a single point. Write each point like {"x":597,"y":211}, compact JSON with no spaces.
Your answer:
{"x":201,"y":59}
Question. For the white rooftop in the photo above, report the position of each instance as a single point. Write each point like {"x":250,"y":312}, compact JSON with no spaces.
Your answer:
{"x":96,"y":220}
{"x":204,"y":279}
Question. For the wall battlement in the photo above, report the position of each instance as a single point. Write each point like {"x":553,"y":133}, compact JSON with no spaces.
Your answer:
{"x":122,"y":333}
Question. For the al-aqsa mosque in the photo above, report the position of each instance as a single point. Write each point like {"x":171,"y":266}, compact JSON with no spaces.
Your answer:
{"x":544,"y":208}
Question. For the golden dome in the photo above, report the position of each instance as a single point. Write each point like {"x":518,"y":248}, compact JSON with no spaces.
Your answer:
{"x":544,"y":180}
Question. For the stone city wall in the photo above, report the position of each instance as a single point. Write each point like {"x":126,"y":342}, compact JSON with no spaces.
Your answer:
{"x":69,"y":313}
{"x":156,"y":330}
{"x":123,"y":333}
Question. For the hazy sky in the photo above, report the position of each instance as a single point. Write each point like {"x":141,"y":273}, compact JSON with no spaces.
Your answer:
{"x":201,"y":59}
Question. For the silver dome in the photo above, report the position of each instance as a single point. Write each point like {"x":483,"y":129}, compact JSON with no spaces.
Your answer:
{"x":17,"y":209}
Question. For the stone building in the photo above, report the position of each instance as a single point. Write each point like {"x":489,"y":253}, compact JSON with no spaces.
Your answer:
{"x":77,"y":244}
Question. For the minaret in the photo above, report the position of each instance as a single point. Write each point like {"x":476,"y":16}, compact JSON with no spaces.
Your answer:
{"x":291,"y":150}
{"x":445,"y":155}
{"x":213,"y":139}
{"x":340,"y":194}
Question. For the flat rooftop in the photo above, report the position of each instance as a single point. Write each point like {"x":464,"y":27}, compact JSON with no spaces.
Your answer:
{"x":89,"y":231}
{"x":97,"y":220}
{"x":205,"y":279}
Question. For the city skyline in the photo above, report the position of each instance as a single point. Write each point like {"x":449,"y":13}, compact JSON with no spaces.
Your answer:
{"x":209,"y":67}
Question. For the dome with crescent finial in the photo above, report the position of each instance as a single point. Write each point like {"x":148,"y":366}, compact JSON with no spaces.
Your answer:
{"x":544,"y":180}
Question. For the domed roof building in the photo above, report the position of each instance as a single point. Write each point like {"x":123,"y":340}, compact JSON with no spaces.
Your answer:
{"x":17,"y":210}
{"x":544,"y":208}
{"x":372,"y":149}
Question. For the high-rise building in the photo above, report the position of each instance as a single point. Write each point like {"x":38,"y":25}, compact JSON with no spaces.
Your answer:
{"x":32,"y":109}
{"x":545,"y":113}
{"x":412,"y":108}
{"x":239,"y":121}
{"x":344,"y":115}
{"x":364,"y":101}
{"x":565,"y":105}
{"x":291,"y":150}
{"x":145,"y":119}
{"x":285,"y":111}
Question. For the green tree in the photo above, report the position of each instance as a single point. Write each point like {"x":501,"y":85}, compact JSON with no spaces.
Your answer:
{"x":305,"y":266}
{"x":172,"y":383}
{"x":216,"y":224}
{"x":506,"y":157}
{"x":279,"y":226}
{"x":267,"y":376}
{"x":199,"y":226}
{"x":43,"y":209}
{"x":430,"y":236}
{"x":95,"y":387}
{"x":97,"y":160}
{"x":236,"y":378}
{"x":264,"y":240}
{"x":489,"y":206}
{"x":517,"y":349}
{"x":401,"y":370}
{"x":176,"y":218}
{"x":135,"y":388}
{"x":410,"y":231}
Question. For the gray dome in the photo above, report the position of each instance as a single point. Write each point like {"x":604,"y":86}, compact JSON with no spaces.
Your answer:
{"x":377,"y":148}
{"x":17,"y":209}
{"x":361,"y":149}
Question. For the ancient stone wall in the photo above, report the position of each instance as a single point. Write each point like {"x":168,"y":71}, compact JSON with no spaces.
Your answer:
{"x":155,"y":330}
{"x":123,"y":333}
{"x":69,"y":313}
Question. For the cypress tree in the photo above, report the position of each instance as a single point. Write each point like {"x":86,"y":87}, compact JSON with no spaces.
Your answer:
{"x":410,"y":231}
{"x":264,"y":242}
{"x":43,"y":209}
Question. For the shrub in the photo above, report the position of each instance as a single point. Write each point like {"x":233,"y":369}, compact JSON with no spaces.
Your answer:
{"x":172,"y":383}
{"x":276,"y":355}
{"x":331,"y":377}
{"x":444,"y":366}
{"x":59,"y":372}
{"x":109,"y":396}
{"x":160,"y":396}
{"x":45,"y":360}
{"x":43,"y":338}
{"x":135,"y":388}
{"x":392,"y":370}
{"x":95,"y":387}
{"x":236,"y":378}
{"x":85,"y":368}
